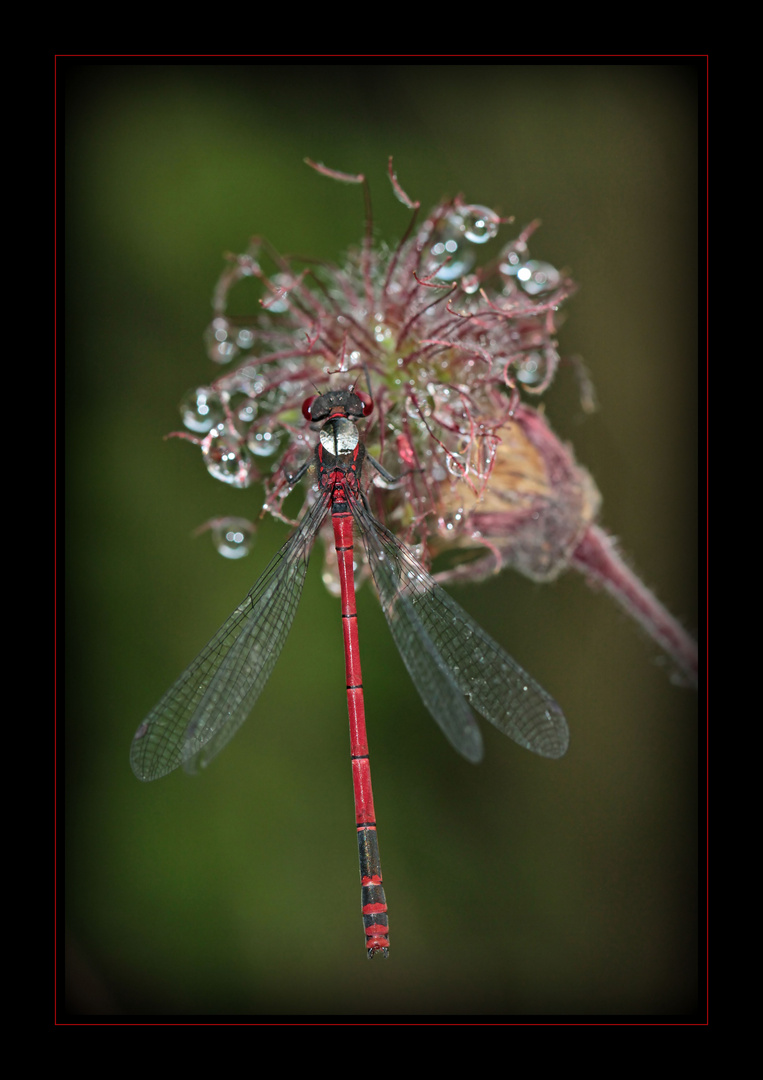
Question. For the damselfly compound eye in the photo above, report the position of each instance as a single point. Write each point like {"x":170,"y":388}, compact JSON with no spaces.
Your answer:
{"x":366,"y":401}
{"x":307,"y":405}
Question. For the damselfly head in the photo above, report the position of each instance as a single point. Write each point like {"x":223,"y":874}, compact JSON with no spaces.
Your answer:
{"x":337,"y":403}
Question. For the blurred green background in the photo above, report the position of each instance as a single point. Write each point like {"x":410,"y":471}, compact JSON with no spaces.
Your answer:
{"x":516,"y":887}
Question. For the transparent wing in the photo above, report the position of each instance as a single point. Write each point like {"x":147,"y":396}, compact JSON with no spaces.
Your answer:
{"x":215,"y":694}
{"x":452,"y":660}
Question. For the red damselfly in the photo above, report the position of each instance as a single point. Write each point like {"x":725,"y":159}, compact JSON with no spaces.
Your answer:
{"x":452,"y":661}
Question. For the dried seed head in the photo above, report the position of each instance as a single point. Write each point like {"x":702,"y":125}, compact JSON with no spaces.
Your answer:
{"x":448,"y":346}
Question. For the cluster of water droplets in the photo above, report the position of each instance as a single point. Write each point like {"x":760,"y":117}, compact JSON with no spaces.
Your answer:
{"x":232,"y":440}
{"x":537,"y":357}
{"x":465,"y":227}
{"x":247,"y":419}
{"x":224,"y":341}
{"x":525,"y":282}
{"x":452,"y":251}
{"x":453,"y":447}
{"x":532,"y":276}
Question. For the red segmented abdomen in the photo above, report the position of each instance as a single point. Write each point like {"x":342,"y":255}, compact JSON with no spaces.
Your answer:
{"x":373,"y":901}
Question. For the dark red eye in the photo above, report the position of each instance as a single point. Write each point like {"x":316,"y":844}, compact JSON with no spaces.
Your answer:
{"x":366,"y":402}
{"x":307,"y":405}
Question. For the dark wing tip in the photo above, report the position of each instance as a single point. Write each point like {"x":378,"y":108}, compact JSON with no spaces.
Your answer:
{"x":554,"y":738}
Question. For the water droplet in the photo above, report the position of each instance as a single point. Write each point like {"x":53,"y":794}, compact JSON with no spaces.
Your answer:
{"x":455,"y":464}
{"x":531,"y":368}
{"x":244,"y":410}
{"x":450,"y":255}
{"x":278,"y":300}
{"x":483,"y":454}
{"x":226,"y":458}
{"x":265,"y":443}
{"x":201,"y":409}
{"x":537,"y":277}
{"x":535,"y":366}
{"x":513,"y":256}
{"x":233,"y":537}
{"x":478,"y":223}
{"x":245,"y":338}
{"x":221,"y":347}
{"x":416,"y":407}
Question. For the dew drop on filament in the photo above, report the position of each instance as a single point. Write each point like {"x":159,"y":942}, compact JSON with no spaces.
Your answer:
{"x":478,"y":223}
{"x":226,"y":458}
{"x":537,"y":277}
{"x":221,"y":347}
{"x":265,"y":443}
{"x":450,"y":255}
{"x":455,"y":464}
{"x":201,"y":409}
{"x":531,"y":369}
{"x":245,"y":338}
{"x":233,"y":537}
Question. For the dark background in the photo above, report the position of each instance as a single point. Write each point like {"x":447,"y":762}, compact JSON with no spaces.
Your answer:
{"x":515,"y":887}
